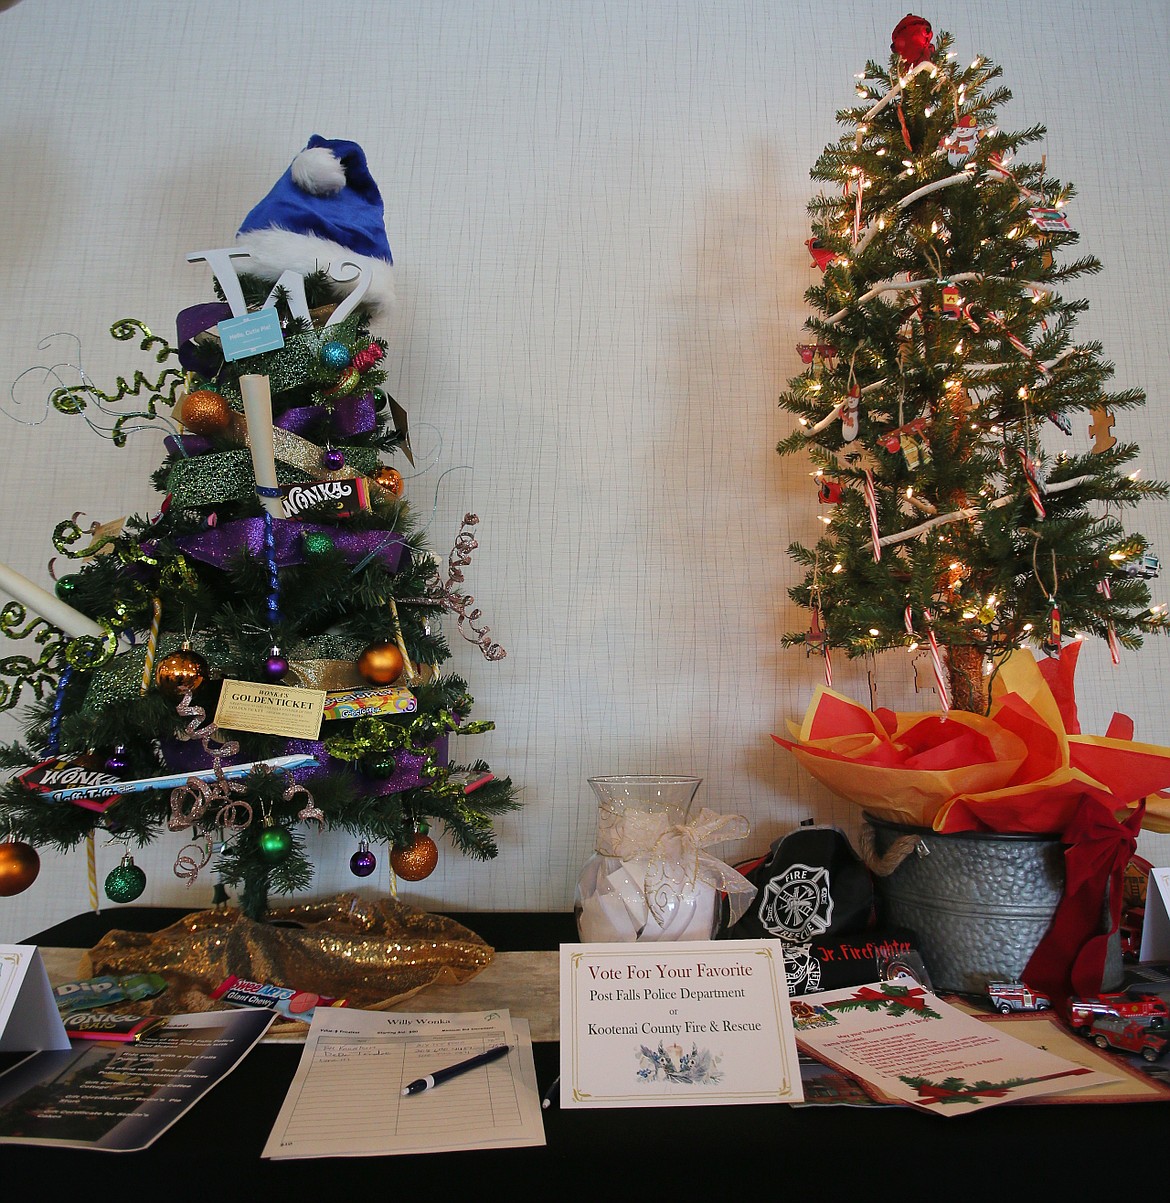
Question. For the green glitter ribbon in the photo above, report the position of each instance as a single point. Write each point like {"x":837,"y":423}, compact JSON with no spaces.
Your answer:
{"x":121,"y":679}
{"x":298,"y":361}
{"x":227,"y":475}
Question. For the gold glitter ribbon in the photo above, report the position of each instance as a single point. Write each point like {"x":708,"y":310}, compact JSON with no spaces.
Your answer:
{"x":325,"y":674}
{"x":371,"y":953}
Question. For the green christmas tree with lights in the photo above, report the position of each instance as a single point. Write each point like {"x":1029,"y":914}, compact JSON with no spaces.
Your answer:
{"x":942,"y":365}
{"x":285,"y":565}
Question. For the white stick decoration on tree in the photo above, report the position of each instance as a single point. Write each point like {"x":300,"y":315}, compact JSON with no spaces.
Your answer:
{"x":896,"y":90}
{"x":973,"y":512}
{"x":835,"y":412}
{"x":52,"y":609}
{"x":258,"y":414}
{"x":910,"y":285}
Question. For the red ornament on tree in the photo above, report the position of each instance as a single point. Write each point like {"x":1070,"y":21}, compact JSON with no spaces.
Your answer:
{"x":913,"y":39}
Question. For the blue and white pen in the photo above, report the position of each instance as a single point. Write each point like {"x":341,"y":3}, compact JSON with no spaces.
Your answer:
{"x":441,"y":1075}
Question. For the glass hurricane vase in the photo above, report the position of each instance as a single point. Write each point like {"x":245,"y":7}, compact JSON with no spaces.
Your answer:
{"x":638,"y":886}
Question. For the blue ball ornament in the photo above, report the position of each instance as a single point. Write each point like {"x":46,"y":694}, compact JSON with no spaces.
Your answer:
{"x":335,"y":355}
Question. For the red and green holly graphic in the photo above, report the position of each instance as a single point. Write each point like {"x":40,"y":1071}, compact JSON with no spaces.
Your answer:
{"x":895,"y":1000}
{"x":955,"y":1090}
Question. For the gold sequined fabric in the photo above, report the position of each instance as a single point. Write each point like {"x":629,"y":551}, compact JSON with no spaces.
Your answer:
{"x":373,"y":954}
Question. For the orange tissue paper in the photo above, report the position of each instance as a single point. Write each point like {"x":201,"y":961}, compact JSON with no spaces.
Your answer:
{"x":1024,"y":767}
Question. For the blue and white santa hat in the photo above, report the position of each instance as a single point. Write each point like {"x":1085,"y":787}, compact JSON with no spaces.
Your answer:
{"x":325,"y":208}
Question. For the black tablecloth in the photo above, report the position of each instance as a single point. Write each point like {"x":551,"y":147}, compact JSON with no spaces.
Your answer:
{"x":1007,"y":1154}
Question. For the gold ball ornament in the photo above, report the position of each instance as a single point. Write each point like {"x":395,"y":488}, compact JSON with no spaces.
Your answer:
{"x":19,"y":866}
{"x":205,"y":412}
{"x":381,"y":663}
{"x":180,"y":672}
{"x":417,"y":860}
{"x":389,"y":479}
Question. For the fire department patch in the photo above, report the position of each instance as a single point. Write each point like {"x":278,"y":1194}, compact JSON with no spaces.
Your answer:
{"x":797,"y":904}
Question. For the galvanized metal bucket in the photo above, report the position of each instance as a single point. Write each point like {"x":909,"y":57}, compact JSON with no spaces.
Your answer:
{"x":978,"y":903}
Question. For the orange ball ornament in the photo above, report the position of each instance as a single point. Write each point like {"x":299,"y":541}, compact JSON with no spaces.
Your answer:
{"x":389,"y":479}
{"x":417,"y":860}
{"x":205,"y":412}
{"x":181,"y":672}
{"x":381,"y":663}
{"x":19,"y":866}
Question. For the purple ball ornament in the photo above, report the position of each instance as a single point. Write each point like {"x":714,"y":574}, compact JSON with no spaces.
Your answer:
{"x":363,"y":861}
{"x":275,"y":666}
{"x":333,"y":460}
{"x":116,"y":761}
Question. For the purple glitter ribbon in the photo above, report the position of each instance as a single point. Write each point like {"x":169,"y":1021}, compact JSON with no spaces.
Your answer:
{"x":408,"y":770}
{"x":194,"y":321}
{"x":228,"y":541}
{"x":351,"y":416}
{"x":408,"y":767}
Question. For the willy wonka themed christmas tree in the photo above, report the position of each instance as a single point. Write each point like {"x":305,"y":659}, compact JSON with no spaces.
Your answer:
{"x":262,"y":658}
{"x":972,"y":491}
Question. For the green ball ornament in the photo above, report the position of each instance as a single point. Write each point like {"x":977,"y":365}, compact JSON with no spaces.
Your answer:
{"x":66,"y":587}
{"x":126,"y":882}
{"x":275,"y":843}
{"x":382,"y":766}
{"x":316,"y":543}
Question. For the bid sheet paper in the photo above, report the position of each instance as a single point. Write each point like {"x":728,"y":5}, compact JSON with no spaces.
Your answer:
{"x":346,"y":1099}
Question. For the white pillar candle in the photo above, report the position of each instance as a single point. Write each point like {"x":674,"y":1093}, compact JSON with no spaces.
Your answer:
{"x":258,"y":414}
{"x":50,"y":607}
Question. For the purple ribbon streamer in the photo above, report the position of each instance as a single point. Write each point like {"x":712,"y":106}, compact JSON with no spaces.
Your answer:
{"x":194,"y":321}
{"x":351,"y":416}
{"x":228,"y":541}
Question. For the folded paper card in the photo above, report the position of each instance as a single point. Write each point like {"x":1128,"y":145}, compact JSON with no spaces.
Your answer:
{"x":29,"y":1019}
{"x":676,"y":1024}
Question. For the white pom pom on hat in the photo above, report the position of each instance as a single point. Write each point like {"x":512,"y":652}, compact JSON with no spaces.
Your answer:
{"x":318,"y":170}
{"x":324,"y":208}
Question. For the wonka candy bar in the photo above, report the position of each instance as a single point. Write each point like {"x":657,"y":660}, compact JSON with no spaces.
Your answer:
{"x":284,"y":1000}
{"x":111,"y":1025}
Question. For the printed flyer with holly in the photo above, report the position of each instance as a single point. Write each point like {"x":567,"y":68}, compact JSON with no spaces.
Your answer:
{"x":905,"y":1045}
{"x":676,"y":1023}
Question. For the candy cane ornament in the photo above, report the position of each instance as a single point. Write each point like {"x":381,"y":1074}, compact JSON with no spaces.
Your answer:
{"x":940,"y":678}
{"x":871,"y":505}
{"x":1111,"y":633}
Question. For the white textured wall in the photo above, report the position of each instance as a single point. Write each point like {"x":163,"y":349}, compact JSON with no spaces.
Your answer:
{"x":597,"y":209}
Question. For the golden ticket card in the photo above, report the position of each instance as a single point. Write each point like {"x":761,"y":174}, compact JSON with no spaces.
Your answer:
{"x":270,"y":709}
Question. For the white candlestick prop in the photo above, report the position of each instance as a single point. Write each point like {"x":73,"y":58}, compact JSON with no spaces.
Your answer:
{"x":52,"y":609}
{"x":258,"y":414}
